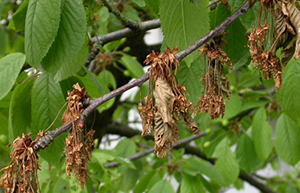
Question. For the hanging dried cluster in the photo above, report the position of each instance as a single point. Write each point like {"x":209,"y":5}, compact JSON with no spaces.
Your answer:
{"x":215,"y":83}
{"x":286,"y":35}
{"x":78,"y":147}
{"x":21,"y":174}
{"x":165,"y":105}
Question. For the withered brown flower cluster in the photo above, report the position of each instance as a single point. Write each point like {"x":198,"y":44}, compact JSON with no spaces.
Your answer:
{"x":215,"y":83}
{"x":285,"y":35}
{"x":78,"y":147}
{"x":167,"y":103}
{"x":21,"y":174}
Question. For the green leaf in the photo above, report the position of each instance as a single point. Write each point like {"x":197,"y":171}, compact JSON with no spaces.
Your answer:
{"x":125,"y":162}
{"x":162,"y":186}
{"x":108,"y":78}
{"x":4,"y":124}
{"x":262,"y":134}
{"x":94,"y":87}
{"x":125,"y":148}
{"x":17,"y":21}
{"x":191,"y":184}
{"x":236,"y":39}
{"x":61,"y":185}
{"x":201,"y":167}
{"x":42,"y":21}
{"x":154,"y":5}
{"x":70,"y":68}
{"x":183,"y":24}
{"x":129,"y":178}
{"x":140,"y":3}
{"x":10,"y":67}
{"x":68,"y":45}
{"x":248,"y":79}
{"x":143,"y":182}
{"x":132,"y":65}
{"x":226,"y":163}
{"x":233,"y":106}
{"x":246,"y":155}
{"x":20,"y":110}
{"x":289,"y":94}
{"x":287,"y":141}
{"x":102,"y":157}
{"x":190,"y":78}
{"x":47,"y":100}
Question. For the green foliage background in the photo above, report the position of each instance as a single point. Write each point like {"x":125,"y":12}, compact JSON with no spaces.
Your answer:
{"x":44,"y":47}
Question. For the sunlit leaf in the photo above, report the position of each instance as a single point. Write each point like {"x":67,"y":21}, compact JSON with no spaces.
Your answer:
{"x":42,"y":22}
{"x":226,"y":163}
{"x":68,"y":44}
{"x":162,"y":186}
{"x":47,"y":100}
{"x":289,"y":94}
{"x":287,"y":141}
{"x":10,"y":67}
{"x":246,"y":155}
{"x":20,"y":110}
{"x":181,"y":25}
{"x":262,"y":134}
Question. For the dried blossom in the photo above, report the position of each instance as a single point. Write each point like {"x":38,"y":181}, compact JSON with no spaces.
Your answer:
{"x":147,"y":114}
{"x":215,"y":83}
{"x":77,"y":146}
{"x":212,"y":103}
{"x":285,"y":35}
{"x":164,"y":106}
{"x":21,"y":174}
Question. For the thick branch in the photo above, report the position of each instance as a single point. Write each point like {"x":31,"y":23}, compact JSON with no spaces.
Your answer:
{"x":143,"y":26}
{"x":138,"y":82}
{"x":126,"y":22}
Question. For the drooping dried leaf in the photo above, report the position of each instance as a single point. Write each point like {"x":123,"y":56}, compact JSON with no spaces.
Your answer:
{"x":164,"y":100}
{"x":294,"y":16}
{"x":164,"y":135}
{"x":163,"y":109}
{"x":190,"y":122}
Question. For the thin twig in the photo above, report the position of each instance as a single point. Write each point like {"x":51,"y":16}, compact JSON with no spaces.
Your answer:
{"x":179,"y":144}
{"x":125,"y":21}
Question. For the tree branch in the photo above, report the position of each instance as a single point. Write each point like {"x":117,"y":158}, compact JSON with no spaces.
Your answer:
{"x":126,"y":22}
{"x":179,"y":144}
{"x":219,"y":30}
{"x":116,"y":35}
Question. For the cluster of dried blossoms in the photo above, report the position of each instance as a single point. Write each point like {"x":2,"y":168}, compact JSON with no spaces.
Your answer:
{"x":21,"y":174}
{"x":78,"y":146}
{"x":215,"y":83}
{"x":166,"y":102}
{"x":286,"y":35}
